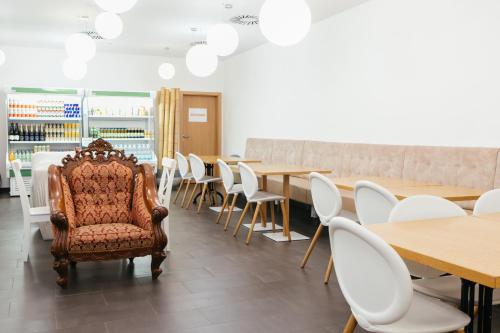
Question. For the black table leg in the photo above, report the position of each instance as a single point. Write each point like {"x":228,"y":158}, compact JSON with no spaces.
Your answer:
{"x":467,"y":302}
{"x":209,"y":168}
{"x":484,"y":309}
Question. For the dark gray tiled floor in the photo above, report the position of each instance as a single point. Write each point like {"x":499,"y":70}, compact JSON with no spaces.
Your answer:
{"x":212,"y":282}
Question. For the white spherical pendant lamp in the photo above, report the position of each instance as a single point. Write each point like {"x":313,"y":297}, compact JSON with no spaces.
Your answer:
{"x":285,"y":22}
{"x":80,"y":47}
{"x":166,"y":71}
{"x":201,"y":60}
{"x":223,"y":39}
{"x":116,"y":6}
{"x":108,"y":25}
{"x":74,"y":69}
{"x":2,"y":57}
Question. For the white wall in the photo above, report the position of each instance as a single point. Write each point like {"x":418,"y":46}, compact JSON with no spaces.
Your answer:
{"x":36,"y":67}
{"x":388,"y":71}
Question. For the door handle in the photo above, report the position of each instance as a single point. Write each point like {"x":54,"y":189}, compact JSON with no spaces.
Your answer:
{"x":185,"y":136}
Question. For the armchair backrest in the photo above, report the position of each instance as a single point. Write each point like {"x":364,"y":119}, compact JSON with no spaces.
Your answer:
{"x":101,"y":180}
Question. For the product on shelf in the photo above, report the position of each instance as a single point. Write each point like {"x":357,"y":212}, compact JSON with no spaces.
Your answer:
{"x":120,"y":111}
{"x":44,"y":132}
{"x":119,"y":133}
{"x":46,"y":108}
{"x":143,"y":152}
{"x":25,"y":155}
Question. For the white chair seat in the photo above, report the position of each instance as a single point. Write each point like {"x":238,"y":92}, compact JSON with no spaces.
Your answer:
{"x":40,"y":214}
{"x":237,"y":188}
{"x":447,"y":288}
{"x":262,"y":196}
{"x":188,"y":175}
{"x":426,"y":315}
{"x":209,"y":179}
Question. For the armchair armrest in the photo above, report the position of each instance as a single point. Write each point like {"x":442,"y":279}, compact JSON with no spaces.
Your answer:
{"x":56,"y":200}
{"x":148,"y":211}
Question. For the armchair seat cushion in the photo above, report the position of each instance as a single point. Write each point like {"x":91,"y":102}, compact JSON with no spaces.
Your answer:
{"x":110,"y":237}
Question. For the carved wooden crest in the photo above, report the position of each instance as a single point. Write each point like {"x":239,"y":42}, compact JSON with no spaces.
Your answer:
{"x":98,"y":152}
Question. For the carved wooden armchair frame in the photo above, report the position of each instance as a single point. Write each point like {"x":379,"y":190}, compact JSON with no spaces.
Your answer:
{"x":101,"y":152}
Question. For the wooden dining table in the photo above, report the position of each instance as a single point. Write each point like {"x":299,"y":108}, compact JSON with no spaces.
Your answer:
{"x":286,"y":171}
{"x":404,"y":188}
{"x":465,"y":246}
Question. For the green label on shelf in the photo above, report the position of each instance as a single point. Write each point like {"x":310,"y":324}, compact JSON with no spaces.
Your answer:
{"x":121,"y":93}
{"x":24,"y":173}
{"x":45,"y":91}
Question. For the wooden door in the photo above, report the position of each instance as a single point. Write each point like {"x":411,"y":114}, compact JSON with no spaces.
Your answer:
{"x":200,"y":123}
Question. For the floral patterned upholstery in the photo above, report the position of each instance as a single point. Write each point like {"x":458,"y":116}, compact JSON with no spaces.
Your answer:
{"x":140,"y":213}
{"x":109,"y":237}
{"x":102,"y":193}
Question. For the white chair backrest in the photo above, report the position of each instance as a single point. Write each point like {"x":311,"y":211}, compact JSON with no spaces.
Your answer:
{"x":487,"y":203}
{"x":372,"y":276}
{"x":248,"y":179}
{"x":197,"y":167}
{"x":226,"y":174}
{"x":46,"y":158}
{"x":326,"y":197}
{"x":23,"y":194}
{"x":183,"y":164}
{"x":373,"y":202}
{"x":421,"y":207}
{"x":166,"y":181}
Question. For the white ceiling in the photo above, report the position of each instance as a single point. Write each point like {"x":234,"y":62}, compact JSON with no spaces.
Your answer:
{"x":149,"y":27}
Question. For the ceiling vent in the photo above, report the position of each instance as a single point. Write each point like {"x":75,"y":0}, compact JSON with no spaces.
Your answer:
{"x":245,"y":20}
{"x":93,"y":34}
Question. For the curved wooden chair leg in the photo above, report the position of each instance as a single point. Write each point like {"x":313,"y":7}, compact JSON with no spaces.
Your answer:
{"x":224,"y":204}
{"x":202,"y":197}
{"x":258,"y":210}
{"x":190,"y":200}
{"x":178,"y":191}
{"x":240,"y":221}
{"x":311,"y":246}
{"x":350,"y":325}
{"x":185,"y":192}
{"x":273,"y":217}
{"x":328,"y":272}
{"x":230,"y":213}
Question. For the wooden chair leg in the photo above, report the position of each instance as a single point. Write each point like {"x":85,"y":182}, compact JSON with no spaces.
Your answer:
{"x":350,"y":325}
{"x":224,"y":204}
{"x":328,"y":272}
{"x":178,"y":191}
{"x":311,"y":246}
{"x":273,"y":218}
{"x":240,"y":221}
{"x":231,"y":208}
{"x":185,"y":193}
{"x":286,"y":227}
{"x":190,"y":200}
{"x":202,"y":197}
{"x":258,"y":210}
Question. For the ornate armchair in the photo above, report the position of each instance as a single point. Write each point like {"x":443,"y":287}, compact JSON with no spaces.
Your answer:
{"x":104,"y":206}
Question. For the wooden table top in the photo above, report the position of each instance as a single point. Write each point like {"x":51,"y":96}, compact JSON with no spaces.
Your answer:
{"x":284,"y":169}
{"x":212,"y":159}
{"x":403,"y":188}
{"x":465,"y":246}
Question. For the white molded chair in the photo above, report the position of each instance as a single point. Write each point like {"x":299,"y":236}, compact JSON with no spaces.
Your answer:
{"x":165,"y":191}
{"x":200,"y":178}
{"x":377,"y":286}
{"x":488,"y":203}
{"x":446,"y":288}
{"x":327,"y":203}
{"x":231,"y":189}
{"x":251,"y":190}
{"x":30,"y":215}
{"x":421,"y":207}
{"x":186,"y":176}
{"x":373,"y":202}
